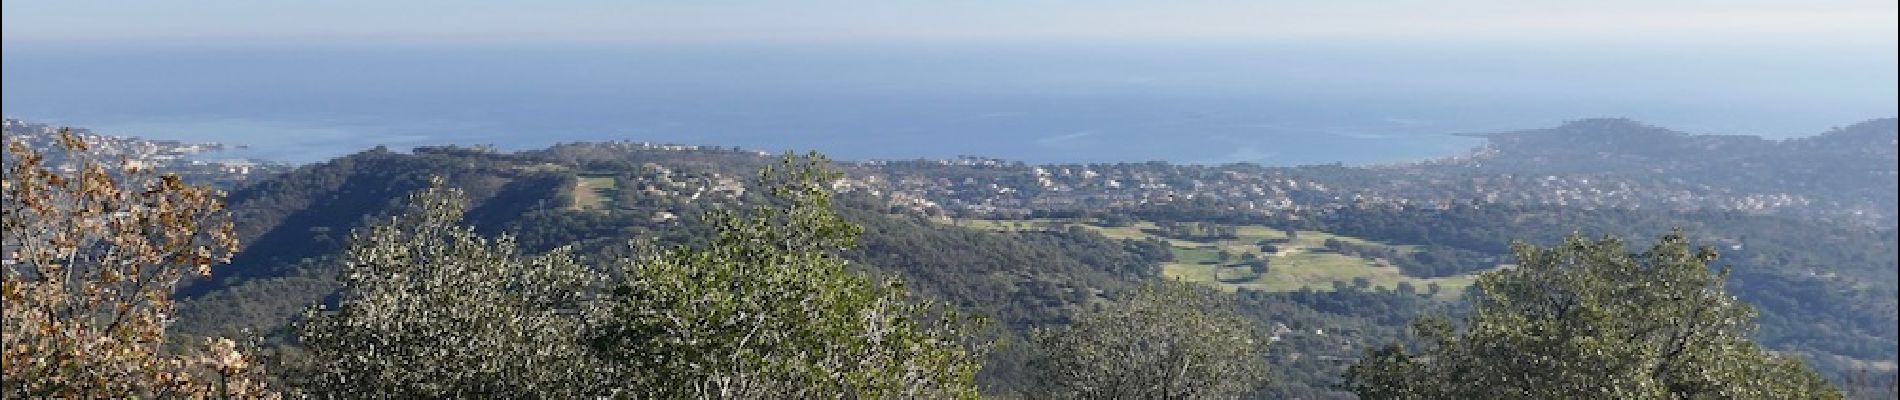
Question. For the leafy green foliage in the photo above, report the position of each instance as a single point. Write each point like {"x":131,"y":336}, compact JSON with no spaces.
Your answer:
{"x":771,"y":310}
{"x":1022,"y":280}
{"x":1589,"y":319}
{"x":430,"y":309}
{"x":1168,"y":340}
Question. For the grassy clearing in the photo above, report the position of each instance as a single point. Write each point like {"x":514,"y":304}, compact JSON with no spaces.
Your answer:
{"x":593,"y":192}
{"x":1235,"y":273}
{"x":1302,"y":260}
{"x":542,"y":167}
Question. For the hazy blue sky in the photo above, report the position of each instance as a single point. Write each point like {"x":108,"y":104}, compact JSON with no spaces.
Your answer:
{"x":1277,"y":82}
{"x":1833,"y":22}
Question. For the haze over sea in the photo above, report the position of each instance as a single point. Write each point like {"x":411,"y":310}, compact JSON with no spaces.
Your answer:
{"x":1268,"y":103}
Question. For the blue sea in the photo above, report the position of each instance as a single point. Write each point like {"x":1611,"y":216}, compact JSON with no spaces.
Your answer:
{"x":1272,"y":104}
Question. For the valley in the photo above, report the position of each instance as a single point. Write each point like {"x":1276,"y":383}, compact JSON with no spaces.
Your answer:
{"x":1300,"y":261}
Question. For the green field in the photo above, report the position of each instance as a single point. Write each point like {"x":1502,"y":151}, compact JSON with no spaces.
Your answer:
{"x":593,"y":192}
{"x":1301,"y":262}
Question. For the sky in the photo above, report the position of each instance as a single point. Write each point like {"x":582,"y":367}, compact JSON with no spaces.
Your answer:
{"x":1738,"y":22}
{"x":1047,"y":80}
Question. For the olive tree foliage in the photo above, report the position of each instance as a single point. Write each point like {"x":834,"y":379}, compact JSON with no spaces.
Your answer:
{"x":430,"y":309}
{"x":771,"y":310}
{"x":1168,"y":340}
{"x":93,"y":249}
{"x":1588,"y":319}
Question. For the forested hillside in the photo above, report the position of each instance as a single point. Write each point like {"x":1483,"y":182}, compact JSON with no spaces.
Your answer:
{"x":1328,"y":271}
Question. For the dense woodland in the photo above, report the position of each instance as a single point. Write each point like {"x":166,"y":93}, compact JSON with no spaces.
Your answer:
{"x":310,"y":293}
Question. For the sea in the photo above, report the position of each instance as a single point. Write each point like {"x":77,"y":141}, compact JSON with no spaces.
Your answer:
{"x":1284,"y":103}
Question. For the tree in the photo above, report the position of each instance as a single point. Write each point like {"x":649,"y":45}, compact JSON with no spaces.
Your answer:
{"x":1405,"y":288}
{"x":771,"y":310}
{"x":1258,"y":266}
{"x":1167,"y":340}
{"x":92,"y":254}
{"x":1588,"y":319}
{"x":430,"y":309}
